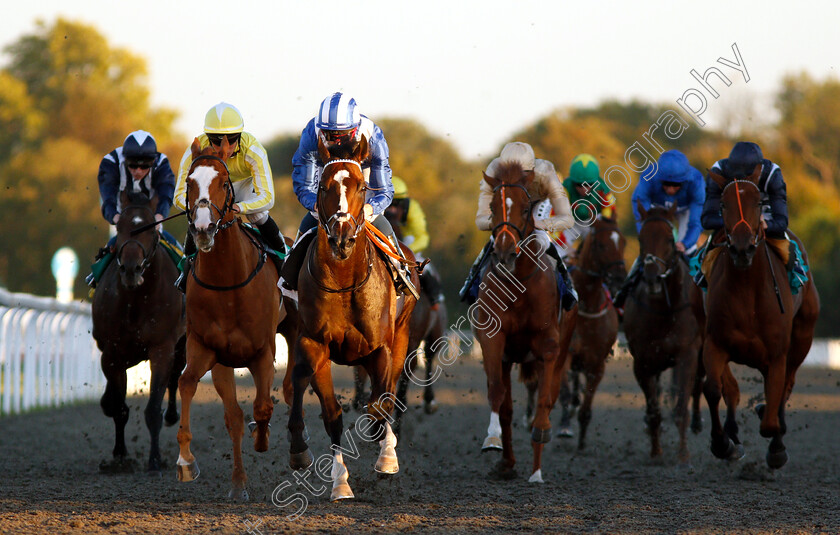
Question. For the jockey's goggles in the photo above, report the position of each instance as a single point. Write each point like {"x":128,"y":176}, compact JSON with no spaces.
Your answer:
{"x":216,"y":139}
{"x":339,"y":137}
{"x":138,"y":165}
{"x":672,"y":184}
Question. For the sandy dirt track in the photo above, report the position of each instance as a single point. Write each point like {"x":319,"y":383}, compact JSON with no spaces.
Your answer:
{"x":52,"y":481}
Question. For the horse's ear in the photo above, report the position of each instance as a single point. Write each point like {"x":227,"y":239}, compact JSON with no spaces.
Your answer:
{"x":153,"y":202}
{"x":673,"y":210}
{"x":717,"y":178}
{"x":195,"y":148}
{"x":225,"y":149}
{"x":754,"y":176}
{"x":362,"y":149}
{"x":123,"y":198}
{"x":493,"y":182}
{"x":527,"y":177}
{"x":323,"y":152}
{"x":642,"y":211}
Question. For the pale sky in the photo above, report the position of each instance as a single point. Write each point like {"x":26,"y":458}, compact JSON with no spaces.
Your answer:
{"x":473,"y":72}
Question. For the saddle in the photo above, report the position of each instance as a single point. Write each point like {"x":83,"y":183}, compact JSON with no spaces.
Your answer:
{"x":278,"y":257}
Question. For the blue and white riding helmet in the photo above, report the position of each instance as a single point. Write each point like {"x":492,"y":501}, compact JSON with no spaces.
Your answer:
{"x":338,"y":119}
{"x":139,"y":146}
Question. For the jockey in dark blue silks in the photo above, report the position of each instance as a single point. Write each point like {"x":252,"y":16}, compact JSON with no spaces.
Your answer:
{"x":671,"y":181}
{"x":137,"y":167}
{"x":742,"y":161}
{"x":338,"y":123}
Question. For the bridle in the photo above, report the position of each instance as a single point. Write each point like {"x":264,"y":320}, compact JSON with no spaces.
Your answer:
{"x":204,"y":203}
{"x":604,"y":272}
{"x":671,"y":263}
{"x":329,"y":224}
{"x":757,"y":235}
{"x":148,"y":254}
{"x":505,"y":223}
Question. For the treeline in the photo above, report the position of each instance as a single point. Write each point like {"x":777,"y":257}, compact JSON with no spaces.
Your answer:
{"x":67,"y":98}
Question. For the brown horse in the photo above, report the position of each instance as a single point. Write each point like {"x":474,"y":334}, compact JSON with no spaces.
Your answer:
{"x":138,"y":315}
{"x":662,"y":331}
{"x":350,"y":314}
{"x":516,"y":318}
{"x":428,"y":325}
{"x":754,"y":319}
{"x":233,"y":311}
{"x":600,"y":267}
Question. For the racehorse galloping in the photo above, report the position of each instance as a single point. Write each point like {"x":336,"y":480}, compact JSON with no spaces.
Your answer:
{"x":662,"y":331}
{"x":350,"y":314}
{"x":517,"y":313}
{"x":600,"y":267}
{"x":753,"y":319}
{"x":233,"y":310}
{"x":138,"y":315}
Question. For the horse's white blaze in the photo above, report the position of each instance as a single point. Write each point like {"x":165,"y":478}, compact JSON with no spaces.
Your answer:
{"x":137,"y":220}
{"x":615,"y":237}
{"x":203,"y":176}
{"x":509,"y":203}
{"x":495,"y":428}
{"x":343,"y":204}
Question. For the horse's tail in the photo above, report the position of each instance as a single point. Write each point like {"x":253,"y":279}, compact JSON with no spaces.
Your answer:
{"x":528,"y":372}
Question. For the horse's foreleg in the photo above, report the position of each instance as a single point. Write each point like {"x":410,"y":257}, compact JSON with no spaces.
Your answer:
{"x":360,"y":377}
{"x":593,"y":379}
{"x":306,"y":352}
{"x":715,"y":363}
{"x":696,"y":392}
{"x":263,"y":374}
{"x":288,"y":329}
{"x":684,"y":373}
{"x":383,"y":372}
{"x":160,"y":361}
{"x":225,"y":385}
{"x":199,"y":361}
{"x":492,"y":351}
{"x":171,"y":416}
{"x":113,"y":402}
{"x":567,"y":411}
{"x":547,"y":393}
{"x":504,"y":469}
{"x":649,"y":383}
{"x":773,"y":413}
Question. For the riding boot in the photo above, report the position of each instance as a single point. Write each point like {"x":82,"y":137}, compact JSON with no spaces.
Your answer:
{"x":628,"y":284}
{"x":295,"y":257}
{"x":272,"y":236}
{"x":403,"y":275}
{"x":189,"y":252}
{"x":569,"y":298}
{"x":475,"y":269}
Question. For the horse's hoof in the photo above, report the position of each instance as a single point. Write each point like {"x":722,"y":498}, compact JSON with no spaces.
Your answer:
{"x":154,"y":466}
{"x":387,"y":465}
{"x":238,"y":495}
{"x":759,"y":410}
{"x":777,"y":459}
{"x":536,"y":477}
{"x":491,"y":443}
{"x":171,"y":418}
{"x":737,"y":453}
{"x":696,"y":425}
{"x":305,"y":434}
{"x":502,"y":471}
{"x":430,"y":407}
{"x":302,"y":460}
{"x":565,"y":431}
{"x":188,"y":472}
{"x":541,"y":436}
{"x":341,"y":492}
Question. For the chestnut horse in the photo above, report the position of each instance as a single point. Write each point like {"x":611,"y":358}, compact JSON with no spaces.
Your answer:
{"x":662,"y":331}
{"x":599,"y":272}
{"x":754,"y":319}
{"x":233,"y":311}
{"x":350,"y":314}
{"x":516,"y":318}
{"x":428,"y":326}
{"x":138,"y":315}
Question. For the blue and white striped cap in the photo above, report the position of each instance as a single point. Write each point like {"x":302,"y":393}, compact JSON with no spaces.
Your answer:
{"x":338,"y":112}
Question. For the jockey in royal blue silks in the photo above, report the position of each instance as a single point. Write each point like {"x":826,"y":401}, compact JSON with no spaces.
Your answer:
{"x":742,"y":161}
{"x":339,"y":122}
{"x":137,"y":167}
{"x":671,"y":181}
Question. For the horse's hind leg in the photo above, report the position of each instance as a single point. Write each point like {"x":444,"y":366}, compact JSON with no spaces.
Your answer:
{"x":263,"y":373}
{"x":225,"y":385}
{"x":306,"y":351}
{"x":684,"y":373}
{"x":593,"y":379}
{"x":171,"y":417}
{"x":649,"y":383}
{"x":199,"y":362}
{"x":717,"y":377}
{"x":113,"y":402}
{"x":160,"y":361}
{"x":696,"y":392}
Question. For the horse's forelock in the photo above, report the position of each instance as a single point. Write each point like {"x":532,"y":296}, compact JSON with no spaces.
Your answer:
{"x":509,"y":172}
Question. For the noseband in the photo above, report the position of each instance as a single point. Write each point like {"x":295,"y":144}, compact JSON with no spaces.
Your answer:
{"x":204,"y":203}
{"x":329,"y":224}
{"x":505,"y":222}
{"x":757,"y":235}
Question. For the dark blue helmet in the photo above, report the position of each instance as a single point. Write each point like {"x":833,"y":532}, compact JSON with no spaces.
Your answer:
{"x":139,"y":146}
{"x":743,"y":159}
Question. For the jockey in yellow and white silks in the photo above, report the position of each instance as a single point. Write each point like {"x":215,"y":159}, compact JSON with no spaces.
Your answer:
{"x":546,"y":185}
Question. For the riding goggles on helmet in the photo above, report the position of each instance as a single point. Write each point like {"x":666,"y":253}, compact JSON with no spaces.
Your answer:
{"x":216,"y":139}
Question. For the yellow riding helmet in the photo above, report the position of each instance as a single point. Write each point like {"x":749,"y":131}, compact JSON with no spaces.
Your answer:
{"x":400,"y":189}
{"x":223,"y":118}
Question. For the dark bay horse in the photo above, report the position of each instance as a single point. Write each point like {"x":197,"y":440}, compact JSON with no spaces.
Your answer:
{"x":427,"y":326}
{"x":138,"y":315}
{"x":233,"y":311}
{"x":754,"y":319}
{"x":516,"y":318}
{"x":662,"y":331}
{"x":599,"y":272}
{"x":350,"y":314}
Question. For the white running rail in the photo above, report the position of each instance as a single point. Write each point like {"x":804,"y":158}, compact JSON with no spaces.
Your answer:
{"x":47,"y":354}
